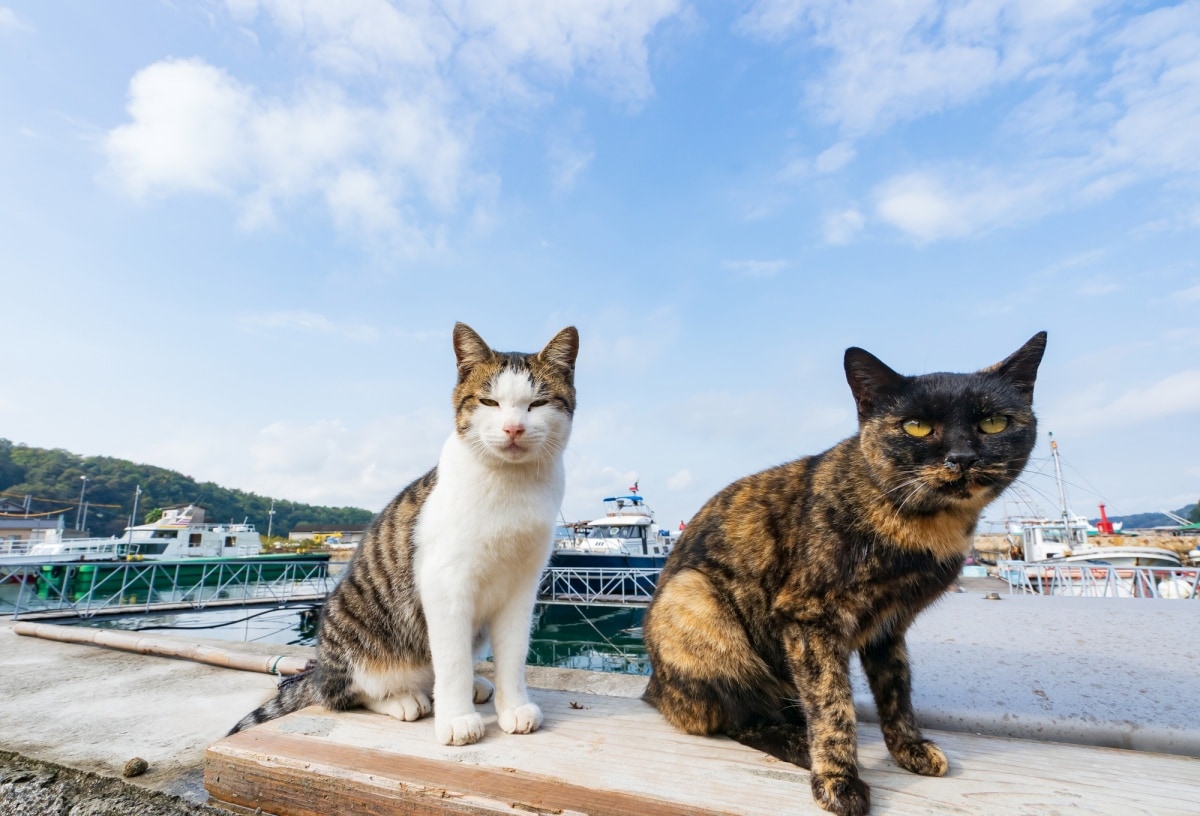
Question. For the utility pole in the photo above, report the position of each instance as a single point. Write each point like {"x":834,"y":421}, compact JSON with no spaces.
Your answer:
{"x":270,"y":519}
{"x":137,"y":494}
{"x":79,"y":512}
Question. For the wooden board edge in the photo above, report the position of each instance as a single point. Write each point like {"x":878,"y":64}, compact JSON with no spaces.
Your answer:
{"x":262,"y":771}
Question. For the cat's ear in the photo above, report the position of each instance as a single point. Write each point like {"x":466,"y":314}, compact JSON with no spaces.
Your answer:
{"x":562,"y":350}
{"x":469,"y":349}
{"x":870,"y":380}
{"x":1020,"y":368}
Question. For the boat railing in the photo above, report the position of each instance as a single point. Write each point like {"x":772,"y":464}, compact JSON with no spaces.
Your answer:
{"x":598,"y":586}
{"x":14,"y":546}
{"x":1099,"y":580}
{"x":83,"y":590}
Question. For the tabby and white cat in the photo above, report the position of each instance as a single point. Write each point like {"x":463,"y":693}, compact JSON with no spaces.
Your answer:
{"x":454,"y":560}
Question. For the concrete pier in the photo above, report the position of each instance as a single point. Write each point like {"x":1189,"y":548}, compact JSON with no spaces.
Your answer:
{"x":1093,"y":672}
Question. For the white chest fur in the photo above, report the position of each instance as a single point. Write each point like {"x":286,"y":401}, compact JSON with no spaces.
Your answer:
{"x":486,"y":528}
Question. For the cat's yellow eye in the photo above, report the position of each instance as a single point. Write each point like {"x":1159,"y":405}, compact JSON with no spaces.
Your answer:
{"x":993,"y":424}
{"x":917,"y":427}
{"x":490,"y":403}
{"x":537,"y":404}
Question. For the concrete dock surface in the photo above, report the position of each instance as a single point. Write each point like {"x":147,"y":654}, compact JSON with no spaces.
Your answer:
{"x":1117,"y":673}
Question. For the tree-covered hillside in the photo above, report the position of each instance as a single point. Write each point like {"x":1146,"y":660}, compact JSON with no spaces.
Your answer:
{"x":1144,"y":521}
{"x":53,"y":479}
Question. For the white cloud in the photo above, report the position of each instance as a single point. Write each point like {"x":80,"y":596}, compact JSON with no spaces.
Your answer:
{"x":187,"y":133}
{"x":1098,"y":287}
{"x":757,"y":268}
{"x":834,"y":158}
{"x":1189,"y":295}
{"x":321,"y":461}
{"x":1173,"y":395}
{"x":568,"y":160}
{"x":842,"y":227}
{"x":892,"y":62}
{"x":956,"y":202}
{"x":308,"y":322}
{"x":1103,"y":111}
{"x":434,"y":72}
{"x":9,"y":21}
{"x":680,"y":480}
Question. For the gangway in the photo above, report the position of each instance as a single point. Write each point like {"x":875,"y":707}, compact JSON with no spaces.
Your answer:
{"x":598,"y":586}
{"x":81,"y":591}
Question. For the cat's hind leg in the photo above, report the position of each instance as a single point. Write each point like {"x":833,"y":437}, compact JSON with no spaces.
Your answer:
{"x":484,"y":690}
{"x":707,"y":677}
{"x":401,"y":692}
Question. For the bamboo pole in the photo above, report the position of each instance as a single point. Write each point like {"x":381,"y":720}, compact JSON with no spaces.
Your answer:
{"x":143,"y":644}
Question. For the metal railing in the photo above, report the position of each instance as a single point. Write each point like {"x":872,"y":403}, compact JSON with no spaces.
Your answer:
{"x":1099,"y":580}
{"x":598,"y":586}
{"x":82,"y":589}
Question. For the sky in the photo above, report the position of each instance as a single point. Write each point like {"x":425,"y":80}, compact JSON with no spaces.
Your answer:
{"x":235,"y":236}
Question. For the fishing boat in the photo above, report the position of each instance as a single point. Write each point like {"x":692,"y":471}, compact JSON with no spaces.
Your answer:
{"x":625,"y":537}
{"x":1052,"y":548}
{"x":1066,"y":541}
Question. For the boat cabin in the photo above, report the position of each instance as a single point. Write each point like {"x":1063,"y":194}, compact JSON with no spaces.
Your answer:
{"x":1052,"y":538}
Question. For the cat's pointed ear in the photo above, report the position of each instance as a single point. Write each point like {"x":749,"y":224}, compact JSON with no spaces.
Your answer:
{"x":870,"y":379}
{"x":469,"y":349}
{"x":562,"y":350}
{"x":1020,"y":368}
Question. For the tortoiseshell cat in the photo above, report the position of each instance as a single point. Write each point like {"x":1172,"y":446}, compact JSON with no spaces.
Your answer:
{"x":454,"y":559}
{"x":784,"y":574}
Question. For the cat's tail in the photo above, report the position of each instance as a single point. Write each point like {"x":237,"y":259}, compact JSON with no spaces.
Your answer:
{"x":294,"y":693}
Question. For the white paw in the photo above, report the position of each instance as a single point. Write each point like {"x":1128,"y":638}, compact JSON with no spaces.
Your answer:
{"x":483,"y":690}
{"x":407,"y":705}
{"x":410,"y":706}
{"x":462,"y":730}
{"x":522,"y":719}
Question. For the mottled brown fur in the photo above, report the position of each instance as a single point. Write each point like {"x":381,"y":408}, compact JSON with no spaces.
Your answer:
{"x":784,"y":574}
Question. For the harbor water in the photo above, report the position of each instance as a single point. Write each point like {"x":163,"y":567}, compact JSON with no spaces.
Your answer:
{"x":594,"y":638}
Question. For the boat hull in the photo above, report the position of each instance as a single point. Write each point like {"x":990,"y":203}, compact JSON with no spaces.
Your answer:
{"x":589,"y":560}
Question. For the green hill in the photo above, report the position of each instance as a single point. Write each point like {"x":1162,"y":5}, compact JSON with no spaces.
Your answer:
{"x":53,"y":479}
{"x":1142,"y":521}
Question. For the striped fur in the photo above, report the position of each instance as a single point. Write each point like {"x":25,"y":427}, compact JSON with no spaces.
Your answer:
{"x":784,"y":574}
{"x":453,"y":561}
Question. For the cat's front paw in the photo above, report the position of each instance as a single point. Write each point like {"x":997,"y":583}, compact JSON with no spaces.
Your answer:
{"x":522,"y":719}
{"x":465,"y":729}
{"x":483,"y":689}
{"x":842,"y":794}
{"x":921,"y":757}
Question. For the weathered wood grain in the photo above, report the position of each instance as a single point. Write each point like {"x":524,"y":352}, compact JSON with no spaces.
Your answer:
{"x":606,"y":756}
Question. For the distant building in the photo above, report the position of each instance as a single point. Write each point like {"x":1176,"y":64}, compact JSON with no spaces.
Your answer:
{"x":335,"y":536}
{"x":18,"y":532}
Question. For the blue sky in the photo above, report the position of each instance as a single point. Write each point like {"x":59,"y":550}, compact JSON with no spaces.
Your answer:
{"x":235,"y":236}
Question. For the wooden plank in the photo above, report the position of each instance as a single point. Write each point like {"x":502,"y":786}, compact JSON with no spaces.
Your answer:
{"x":605,"y":756}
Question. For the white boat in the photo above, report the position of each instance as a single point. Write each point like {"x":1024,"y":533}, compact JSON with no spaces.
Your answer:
{"x":625,"y":536}
{"x":181,"y":532}
{"x":1065,"y":540}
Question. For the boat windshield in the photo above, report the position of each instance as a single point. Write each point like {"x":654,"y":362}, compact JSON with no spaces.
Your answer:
{"x":615,"y":531}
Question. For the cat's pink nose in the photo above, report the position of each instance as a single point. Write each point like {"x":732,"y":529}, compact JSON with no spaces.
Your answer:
{"x":514,"y":431}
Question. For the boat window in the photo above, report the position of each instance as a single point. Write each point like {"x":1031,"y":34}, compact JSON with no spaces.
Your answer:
{"x":194,"y":539}
{"x":615,"y":531}
{"x":165,"y":534}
